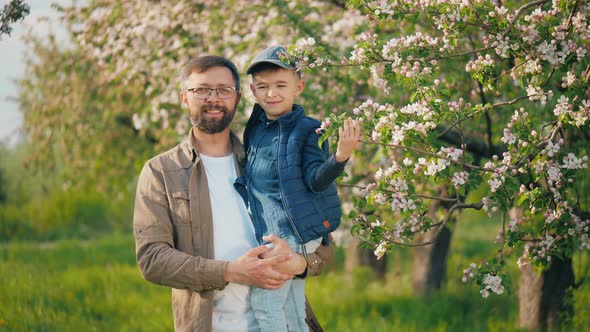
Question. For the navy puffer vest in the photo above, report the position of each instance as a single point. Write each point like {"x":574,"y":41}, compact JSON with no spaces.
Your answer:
{"x":313,"y":214}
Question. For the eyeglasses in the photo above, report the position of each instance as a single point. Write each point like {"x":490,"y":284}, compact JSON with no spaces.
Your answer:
{"x":225,"y":92}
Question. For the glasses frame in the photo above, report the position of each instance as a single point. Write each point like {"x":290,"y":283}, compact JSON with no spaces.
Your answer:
{"x":193,"y":91}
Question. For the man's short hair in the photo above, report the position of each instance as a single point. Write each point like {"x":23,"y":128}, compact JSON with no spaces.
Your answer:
{"x":203,"y":63}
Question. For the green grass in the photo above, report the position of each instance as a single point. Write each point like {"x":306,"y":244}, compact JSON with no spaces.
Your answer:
{"x":94,"y":285}
{"x":343,"y":304}
{"x":79,"y":286}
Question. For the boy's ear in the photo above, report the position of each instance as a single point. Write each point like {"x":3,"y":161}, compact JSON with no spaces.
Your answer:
{"x":252,"y":88}
{"x":300,"y":86}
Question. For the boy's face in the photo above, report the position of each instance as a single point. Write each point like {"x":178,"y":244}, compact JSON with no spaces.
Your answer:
{"x":275,"y":90}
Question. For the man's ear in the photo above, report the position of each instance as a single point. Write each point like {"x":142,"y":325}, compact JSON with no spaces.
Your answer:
{"x":184,"y":99}
{"x":239,"y":97}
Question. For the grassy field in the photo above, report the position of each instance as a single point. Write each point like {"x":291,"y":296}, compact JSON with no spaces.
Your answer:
{"x":95,"y":286}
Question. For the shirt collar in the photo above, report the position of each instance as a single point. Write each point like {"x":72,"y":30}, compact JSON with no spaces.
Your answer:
{"x":192,"y":153}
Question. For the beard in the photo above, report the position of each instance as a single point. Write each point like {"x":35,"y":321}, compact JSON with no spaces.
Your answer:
{"x":211,"y":126}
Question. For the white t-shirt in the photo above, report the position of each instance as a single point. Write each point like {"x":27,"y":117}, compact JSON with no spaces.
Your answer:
{"x":233,"y":235}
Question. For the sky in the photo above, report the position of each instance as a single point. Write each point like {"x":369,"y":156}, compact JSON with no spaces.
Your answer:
{"x":11,"y":64}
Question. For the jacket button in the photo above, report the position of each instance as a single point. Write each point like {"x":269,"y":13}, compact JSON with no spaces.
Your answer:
{"x":196,"y":227}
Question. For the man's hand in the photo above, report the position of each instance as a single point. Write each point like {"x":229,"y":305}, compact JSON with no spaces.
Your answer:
{"x":296,"y":263}
{"x":348,"y":138}
{"x":251,"y":270}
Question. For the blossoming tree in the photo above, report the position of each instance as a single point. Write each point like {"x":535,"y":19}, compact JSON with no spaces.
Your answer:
{"x":466,"y":104}
{"x":521,"y":71}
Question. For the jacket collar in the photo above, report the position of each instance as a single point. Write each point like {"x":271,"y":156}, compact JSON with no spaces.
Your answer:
{"x":192,"y":155}
{"x":288,"y":119}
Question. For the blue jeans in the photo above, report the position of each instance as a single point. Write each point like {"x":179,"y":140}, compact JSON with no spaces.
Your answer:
{"x":281,"y":309}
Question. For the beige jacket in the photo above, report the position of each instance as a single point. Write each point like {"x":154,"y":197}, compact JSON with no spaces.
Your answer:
{"x":173,"y":230}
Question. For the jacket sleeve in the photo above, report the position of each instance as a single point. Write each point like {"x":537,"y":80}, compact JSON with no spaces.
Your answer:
{"x":158,"y":259}
{"x":318,"y":261}
{"x":319,"y":168}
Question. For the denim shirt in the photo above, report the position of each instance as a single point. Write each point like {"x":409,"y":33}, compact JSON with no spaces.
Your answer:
{"x":264,"y":195}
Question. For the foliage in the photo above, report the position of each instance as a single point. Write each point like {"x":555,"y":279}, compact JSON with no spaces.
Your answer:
{"x":60,"y":215}
{"x":74,"y":174}
{"x":41,"y":208}
{"x":12,"y":12}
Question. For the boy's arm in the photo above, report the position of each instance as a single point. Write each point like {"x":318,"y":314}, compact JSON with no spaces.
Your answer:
{"x":319,"y":169}
{"x":298,"y":265}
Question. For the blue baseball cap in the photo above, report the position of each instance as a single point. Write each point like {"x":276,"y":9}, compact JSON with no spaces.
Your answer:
{"x":270,"y":55}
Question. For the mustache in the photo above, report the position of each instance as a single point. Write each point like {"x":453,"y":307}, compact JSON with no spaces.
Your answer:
{"x":206,"y":108}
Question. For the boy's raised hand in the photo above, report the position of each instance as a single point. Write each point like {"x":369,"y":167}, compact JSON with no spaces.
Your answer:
{"x":348,"y":138}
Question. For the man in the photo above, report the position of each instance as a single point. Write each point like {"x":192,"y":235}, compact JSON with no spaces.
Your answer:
{"x":192,"y":229}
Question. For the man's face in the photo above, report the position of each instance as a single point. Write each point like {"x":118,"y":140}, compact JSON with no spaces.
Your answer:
{"x":275,"y":91}
{"x":213,"y":114}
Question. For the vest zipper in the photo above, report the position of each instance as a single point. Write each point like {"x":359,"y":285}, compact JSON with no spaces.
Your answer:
{"x":283,"y":197}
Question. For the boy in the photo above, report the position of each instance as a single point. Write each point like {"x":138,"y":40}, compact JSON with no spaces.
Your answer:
{"x":290,"y":179}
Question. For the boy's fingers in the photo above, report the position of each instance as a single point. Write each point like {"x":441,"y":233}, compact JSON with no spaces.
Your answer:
{"x":357,"y":129}
{"x":257,"y":251}
{"x":346,"y":127}
{"x":270,"y":238}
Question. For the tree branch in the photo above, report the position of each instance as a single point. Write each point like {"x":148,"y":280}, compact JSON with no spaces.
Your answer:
{"x":14,"y":11}
{"x":474,"y":146}
{"x":448,"y":200}
{"x":521,"y":10}
{"x":445,"y":220}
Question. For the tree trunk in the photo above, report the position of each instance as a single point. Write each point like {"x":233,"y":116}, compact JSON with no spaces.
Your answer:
{"x":429,"y":266}
{"x":545,"y":299}
{"x":351,"y":261}
{"x":356,"y":257}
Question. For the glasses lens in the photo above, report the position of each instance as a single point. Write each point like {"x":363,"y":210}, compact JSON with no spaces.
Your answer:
{"x":201,"y":93}
{"x":225,"y":92}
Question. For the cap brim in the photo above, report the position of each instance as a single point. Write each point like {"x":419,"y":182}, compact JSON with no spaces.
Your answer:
{"x":274,"y":62}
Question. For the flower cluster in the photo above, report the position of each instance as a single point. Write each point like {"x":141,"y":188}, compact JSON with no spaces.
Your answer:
{"x":305,"y":54}
{"x":469,"y":273}
{"x":459,"y":179}
{"x":381,"y":249}
{"x":492,"y":283}
{"x":404,"y":230}
{"x":486,"y":277}
{"x":537,"y":93}
{"x":402,"y":203}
